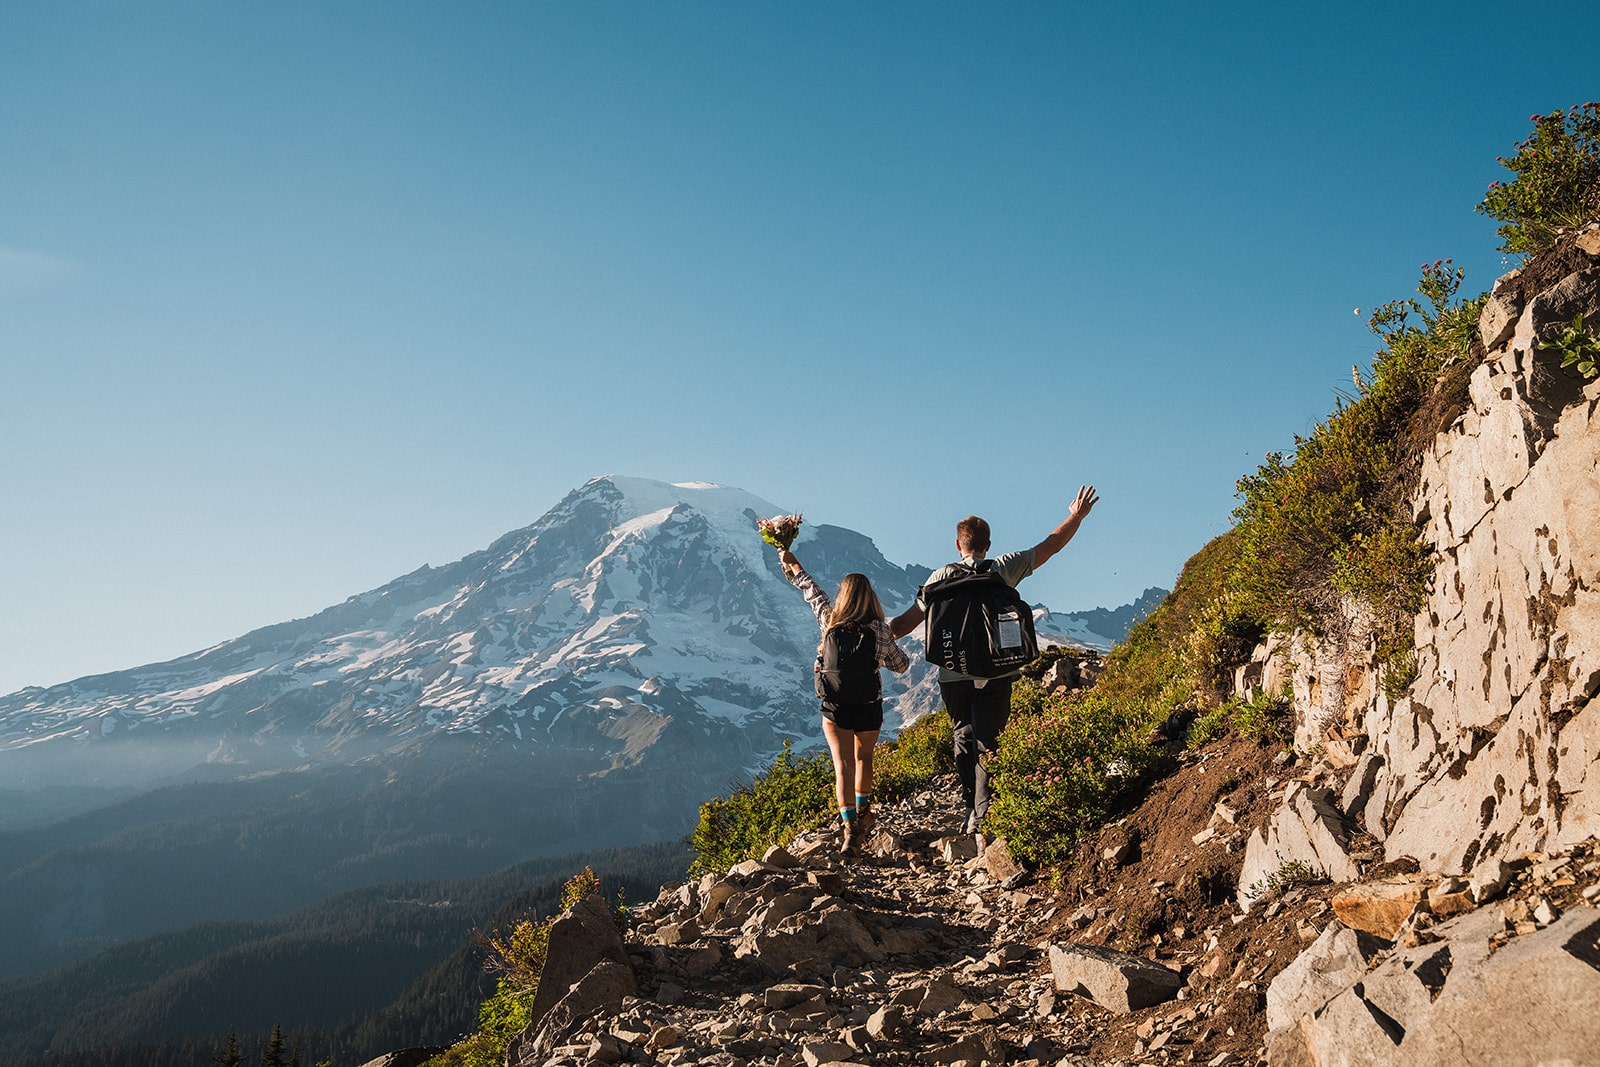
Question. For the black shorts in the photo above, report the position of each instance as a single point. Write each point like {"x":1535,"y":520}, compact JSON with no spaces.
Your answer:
{"x":859,"y":718}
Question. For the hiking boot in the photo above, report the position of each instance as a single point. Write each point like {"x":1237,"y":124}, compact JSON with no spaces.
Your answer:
{"x":865,"y":822}
{"x":850,"y":841}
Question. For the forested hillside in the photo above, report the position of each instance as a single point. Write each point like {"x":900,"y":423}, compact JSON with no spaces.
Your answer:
{"x":346,"y":978}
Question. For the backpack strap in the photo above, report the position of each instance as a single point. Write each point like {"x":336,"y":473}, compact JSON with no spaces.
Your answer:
{"x":983,"y":566}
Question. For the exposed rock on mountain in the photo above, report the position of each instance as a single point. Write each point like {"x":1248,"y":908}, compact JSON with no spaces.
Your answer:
{"x":1491,"y":750}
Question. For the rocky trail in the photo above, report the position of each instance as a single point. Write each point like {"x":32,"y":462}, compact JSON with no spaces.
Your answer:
{"x":929,"y":948}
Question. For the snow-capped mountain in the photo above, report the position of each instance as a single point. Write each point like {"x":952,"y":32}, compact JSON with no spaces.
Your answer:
{"x":585,"y":682}
{"x":629,"y":605}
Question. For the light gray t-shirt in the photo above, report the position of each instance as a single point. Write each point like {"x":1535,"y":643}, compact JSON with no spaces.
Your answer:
{"x":1012,"y":566}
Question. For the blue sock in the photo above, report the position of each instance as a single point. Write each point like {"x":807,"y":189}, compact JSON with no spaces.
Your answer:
{"x":863,"y":801}
{"x":847,"y":814}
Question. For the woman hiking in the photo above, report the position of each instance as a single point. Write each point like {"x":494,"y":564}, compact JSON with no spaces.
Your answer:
{"x":855,"y":643}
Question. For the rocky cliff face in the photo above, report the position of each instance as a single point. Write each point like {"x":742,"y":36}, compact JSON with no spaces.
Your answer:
{"x":1491,"y":751}
{"x":1486,"y":764}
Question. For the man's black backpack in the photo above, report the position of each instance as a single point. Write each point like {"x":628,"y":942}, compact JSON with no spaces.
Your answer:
{"x":977,"y":624}
{"x":847,"y":666}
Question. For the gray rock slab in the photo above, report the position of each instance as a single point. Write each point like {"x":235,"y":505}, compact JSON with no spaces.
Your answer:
{"x":1114,"y":980}
{"x":1531,"y":1002}
{"x":1307,"y":828}
{"x":604,"y":987}
{"x":407,"y":1057}
{"x":1402,"y":987}
{"x":981,"y":1046}
{"x":1489,"y":880}
{"x":1329,"y":966}
{"x":1351,"y":1032}
{"x":1002,"y":865}
{"x":886,"y":1022}
{"x":788,"y":994}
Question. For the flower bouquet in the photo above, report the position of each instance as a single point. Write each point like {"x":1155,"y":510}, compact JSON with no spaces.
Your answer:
{"x":780,"y":530}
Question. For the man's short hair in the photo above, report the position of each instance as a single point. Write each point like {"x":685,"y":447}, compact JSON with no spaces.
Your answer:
{"x":972,"y":534}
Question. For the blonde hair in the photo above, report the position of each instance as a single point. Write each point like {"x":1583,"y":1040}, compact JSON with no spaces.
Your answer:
{"x":856,"y":603}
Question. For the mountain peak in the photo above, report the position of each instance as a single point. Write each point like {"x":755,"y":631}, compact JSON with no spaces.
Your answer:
{"x":645,"y":496}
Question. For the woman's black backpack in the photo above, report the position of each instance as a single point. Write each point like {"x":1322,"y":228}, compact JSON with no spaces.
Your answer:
{"x":847,"y":666}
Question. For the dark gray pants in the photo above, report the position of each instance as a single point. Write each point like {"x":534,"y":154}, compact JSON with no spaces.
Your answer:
{"x":978,"y":715}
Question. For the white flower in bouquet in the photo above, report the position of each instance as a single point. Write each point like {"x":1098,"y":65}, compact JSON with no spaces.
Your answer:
{"x":780,"y":530}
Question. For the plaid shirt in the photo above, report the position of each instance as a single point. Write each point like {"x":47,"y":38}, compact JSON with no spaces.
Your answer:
{"x":890,"y":655}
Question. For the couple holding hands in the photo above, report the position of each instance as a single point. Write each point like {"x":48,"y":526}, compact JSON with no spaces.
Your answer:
{"x":852,"y":715}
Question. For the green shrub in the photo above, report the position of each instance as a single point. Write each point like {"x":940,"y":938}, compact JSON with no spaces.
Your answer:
{"x":1062,"y":764}
{"x":1285,"y":878}
{"x":1579,"y":349}
{"x":1263,"y":719}
{"x":923,"y":751}
{"x":791,"y":796}
{"x":1333,"y":522}
{"x":1182,"y":652}
{"x":1556,"y":184}
{"x":1206,"y":728}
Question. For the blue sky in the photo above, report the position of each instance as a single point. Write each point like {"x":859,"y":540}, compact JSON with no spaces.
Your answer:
{"x":297,"y":297}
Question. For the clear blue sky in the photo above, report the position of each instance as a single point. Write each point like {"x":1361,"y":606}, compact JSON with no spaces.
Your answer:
{"x":296,"y":297}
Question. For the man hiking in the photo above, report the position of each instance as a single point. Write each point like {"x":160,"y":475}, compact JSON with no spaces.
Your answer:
{"x":979,"y":707}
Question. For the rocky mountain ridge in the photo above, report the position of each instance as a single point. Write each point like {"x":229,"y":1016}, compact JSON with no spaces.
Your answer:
{"x":1488,"y":758}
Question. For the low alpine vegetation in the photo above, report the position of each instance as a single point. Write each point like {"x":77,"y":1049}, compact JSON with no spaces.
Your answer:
{"x":1332,"y":523}
{"x":1579,"y":348}
{"x":1263,"y":719}
{"x":1063,"y":764}
{"x":795,"y":794}
{"x":790,"y":797}
{"x":1555,"y":184}
{"x":1285,"y":878}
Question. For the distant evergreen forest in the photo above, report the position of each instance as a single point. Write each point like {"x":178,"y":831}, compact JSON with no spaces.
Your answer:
{"x":347,"y":979}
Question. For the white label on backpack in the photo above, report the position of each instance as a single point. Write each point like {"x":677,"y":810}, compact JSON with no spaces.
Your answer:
{"x":1010,"y":629}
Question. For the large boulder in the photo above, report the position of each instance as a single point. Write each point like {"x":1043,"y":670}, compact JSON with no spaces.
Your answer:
{"x":1540,"y":993}
{"x":1334,"y":962}
{"x":604,"y":987}
{"x":582,"y":936}
{"x":407,"y":1057}
{"x":1306,"y":829}
{"x":1114,"y":980}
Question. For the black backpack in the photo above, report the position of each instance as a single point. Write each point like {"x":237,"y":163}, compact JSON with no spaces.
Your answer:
{"x":978,"y":625}
{"x":847,"y":667}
